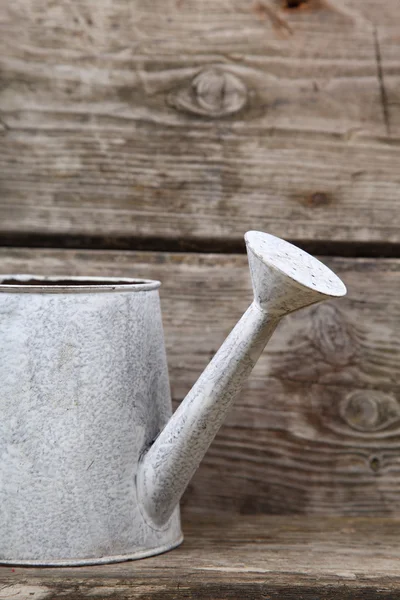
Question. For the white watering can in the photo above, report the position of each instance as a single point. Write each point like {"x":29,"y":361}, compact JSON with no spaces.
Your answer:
{"x":92,"y":465}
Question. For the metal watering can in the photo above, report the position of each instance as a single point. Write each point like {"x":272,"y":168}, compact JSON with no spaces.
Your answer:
{"x":92,"y":464}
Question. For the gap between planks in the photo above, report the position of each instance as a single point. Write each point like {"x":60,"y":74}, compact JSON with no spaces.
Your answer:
{"x":347,"y":249}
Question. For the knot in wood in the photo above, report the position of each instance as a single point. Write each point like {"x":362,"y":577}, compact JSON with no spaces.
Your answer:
{"x":212,"y":93}
{"x":218,"y":92}
{"x":334,"y":337}
{"x":369,"y":410}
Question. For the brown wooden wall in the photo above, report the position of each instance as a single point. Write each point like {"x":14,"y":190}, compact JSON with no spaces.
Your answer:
{"x":144,"y":138}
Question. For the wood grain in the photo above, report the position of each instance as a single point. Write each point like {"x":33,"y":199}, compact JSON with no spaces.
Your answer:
{"x":249,"y":558}
{"x":317,"y":428}
{"x":216,"y":118}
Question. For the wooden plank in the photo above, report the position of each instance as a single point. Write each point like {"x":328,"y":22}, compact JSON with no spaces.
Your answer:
{"x":317,"y":428}
{"x":259,"y":557}
{"x":217,"y":117}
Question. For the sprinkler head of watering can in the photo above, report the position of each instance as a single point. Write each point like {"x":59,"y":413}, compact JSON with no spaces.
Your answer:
{"x":285,"y":278}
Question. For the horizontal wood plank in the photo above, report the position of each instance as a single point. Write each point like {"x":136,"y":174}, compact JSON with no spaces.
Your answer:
{"x":218,"y":117}
{"x":257,"y":558}
{"x":317,"y":428}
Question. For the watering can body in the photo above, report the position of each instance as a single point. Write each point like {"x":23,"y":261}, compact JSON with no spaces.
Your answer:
{"x":84,"y":390}
{"x":92,"y":464}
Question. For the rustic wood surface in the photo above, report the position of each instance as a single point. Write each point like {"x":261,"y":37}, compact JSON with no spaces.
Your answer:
{"x":193,"y":121}
{"x":317,"y":428}
{"x":179,"y":125}
{"x":249,"y":558}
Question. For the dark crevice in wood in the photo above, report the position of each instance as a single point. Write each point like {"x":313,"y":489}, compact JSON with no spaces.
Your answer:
{"x":294,"y":3}
{"x":348,"y":249}
{"x":384,"y":98}
{"x":351,"y":249}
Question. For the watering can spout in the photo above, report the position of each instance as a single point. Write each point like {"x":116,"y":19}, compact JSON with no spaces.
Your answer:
{"x":284,"y":279}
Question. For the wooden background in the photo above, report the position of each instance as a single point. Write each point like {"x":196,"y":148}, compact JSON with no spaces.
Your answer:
{"x":144,"y":139}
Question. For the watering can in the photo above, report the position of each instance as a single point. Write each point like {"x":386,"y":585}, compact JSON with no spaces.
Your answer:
{"x":92,"y":464}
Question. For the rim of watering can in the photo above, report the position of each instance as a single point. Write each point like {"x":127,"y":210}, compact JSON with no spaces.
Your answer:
{"x":64,"y":284}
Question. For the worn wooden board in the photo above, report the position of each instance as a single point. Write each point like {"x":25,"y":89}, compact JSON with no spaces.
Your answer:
{"x":317,"y":428}
{"x":192,"y":121}
{"x":257,"y":558}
